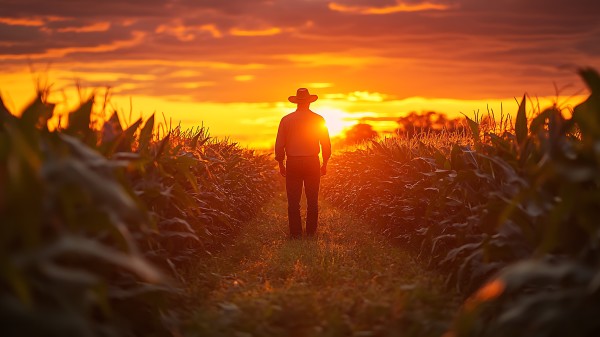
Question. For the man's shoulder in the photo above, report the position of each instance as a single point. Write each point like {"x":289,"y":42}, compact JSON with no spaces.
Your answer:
{"x":316,"y":115}
{"x":304,"y":115}
{"x":287,"y":117}
{"x":319,"y":119}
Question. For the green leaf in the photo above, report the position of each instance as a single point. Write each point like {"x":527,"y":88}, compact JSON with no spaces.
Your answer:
{"x":539,"y":121}
{"x":85,"y":247}
{"x":440,"y":159}
{"x":161,"y":146}
{"x":474,"y":129}
{"x":457,"y":161}
{"x":587,"y":114}
{"x":17,"y":281}
{"x":111,"y":128}
{"x":592,"y":79}
{"x":24,"y":143}
{"x":194,"y":143}
{"x":521,"y":122}
{"x":5,"y":115}
{"x":37,"y":113}
{"x":501,"y":145}
{"x":106,"y":192}
{"x":79,"y":120}
{"x":125,"y":142}
{"x":84,"y":152}
{"x":146,"y":135}
{"x":69,"y":275}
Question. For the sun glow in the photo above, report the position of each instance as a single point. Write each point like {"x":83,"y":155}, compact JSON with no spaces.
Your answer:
{"x":337,"y":121}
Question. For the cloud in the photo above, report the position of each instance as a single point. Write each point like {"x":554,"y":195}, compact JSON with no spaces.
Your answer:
{"x":188,"y":33}
{"x":359,"y":96}
{"x":397,"y":8}
{"x":106,"y":77}
{"x":183,"y":73}
{"x":233,"y":62}
{"x":244,"y":78}
{"x":35,"y":22}
{"x":441,"y":48}
{"x":85,"y":8}
{"x":257,"y":32}
{"x":318,"y":85}
{"x":212,"y":29}
{"x":95,"y":27}
{"x":194,"y":85}
{"x":136,"y":39}
{"x":331,"y":59}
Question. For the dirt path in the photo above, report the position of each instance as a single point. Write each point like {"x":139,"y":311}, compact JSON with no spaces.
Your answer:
{"x":349,"y":281}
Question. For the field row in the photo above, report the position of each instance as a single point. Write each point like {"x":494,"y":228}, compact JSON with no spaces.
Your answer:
{"x":509,"y":216}
{"x":98,"y":220}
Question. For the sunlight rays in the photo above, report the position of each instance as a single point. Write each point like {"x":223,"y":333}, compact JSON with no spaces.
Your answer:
{"x":337,"y":120}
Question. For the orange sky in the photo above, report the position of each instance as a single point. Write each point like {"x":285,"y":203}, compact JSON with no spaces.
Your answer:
{"x":232,"y":64}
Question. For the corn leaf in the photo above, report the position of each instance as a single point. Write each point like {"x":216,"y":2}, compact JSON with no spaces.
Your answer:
{"x":474,"y":126}
{"x":81,"y":246}
{"x":146,"y":135}
{"x":587,"y":114}
{"x":79,"y":120}
{"x":37,"y":113}
{"x":521,"y":122}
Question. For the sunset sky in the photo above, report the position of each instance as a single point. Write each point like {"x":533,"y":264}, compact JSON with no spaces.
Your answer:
{"x":233,"y":63}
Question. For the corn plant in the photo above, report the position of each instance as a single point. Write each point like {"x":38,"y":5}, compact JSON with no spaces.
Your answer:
{"x":529,"y":192}
{"x":70,"y":264}
{"x":554,"y":293}
{"x":97,"y":222}
{"x":428,"y":199}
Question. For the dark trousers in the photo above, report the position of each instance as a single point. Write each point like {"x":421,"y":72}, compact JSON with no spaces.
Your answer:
{"x":302,"y":171}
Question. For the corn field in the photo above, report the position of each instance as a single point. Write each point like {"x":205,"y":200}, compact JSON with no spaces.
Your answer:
{"x":509,"y":216}
{"x":98,"y":222}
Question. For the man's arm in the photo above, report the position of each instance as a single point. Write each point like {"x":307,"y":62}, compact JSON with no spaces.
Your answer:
{"x":325,"y":147}
{"x":282,"y":169}
{"x":280,"y":143}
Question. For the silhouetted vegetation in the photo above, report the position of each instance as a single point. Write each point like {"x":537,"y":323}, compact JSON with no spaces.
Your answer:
{"x":428,"y":122}
{"x":96,"y":225}
{"x":99,"y":226}
{"x":359,"y":133}
{"x":510,"y":216}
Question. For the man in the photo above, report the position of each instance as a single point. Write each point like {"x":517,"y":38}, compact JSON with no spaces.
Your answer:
{"x":298,"y":138}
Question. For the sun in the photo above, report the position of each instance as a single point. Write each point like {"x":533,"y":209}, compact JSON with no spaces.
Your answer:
{"x":337,"y":121}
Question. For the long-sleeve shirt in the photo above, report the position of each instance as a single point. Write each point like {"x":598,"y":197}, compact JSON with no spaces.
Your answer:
{"x":300,"y":134}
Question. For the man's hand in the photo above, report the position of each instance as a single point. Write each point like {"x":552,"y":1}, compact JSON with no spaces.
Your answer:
{"x":323,"y":169}
{"x":282,"y":170}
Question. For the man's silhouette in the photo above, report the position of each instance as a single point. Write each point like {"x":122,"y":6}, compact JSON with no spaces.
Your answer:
{"x":298,"y":139}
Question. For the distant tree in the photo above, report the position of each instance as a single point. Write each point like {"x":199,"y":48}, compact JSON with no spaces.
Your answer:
{"x":359,"y":133}
{"x":429,"y":121}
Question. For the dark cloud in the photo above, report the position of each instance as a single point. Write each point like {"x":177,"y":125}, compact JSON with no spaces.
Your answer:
{"x":581,"y":8}
{"x":11,"y":33}
{"x":472,"y":49}
{"x":84,"y":8}
{"x":232,"y":7}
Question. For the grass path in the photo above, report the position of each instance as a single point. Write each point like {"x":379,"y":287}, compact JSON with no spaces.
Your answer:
{"x":349,"y":281}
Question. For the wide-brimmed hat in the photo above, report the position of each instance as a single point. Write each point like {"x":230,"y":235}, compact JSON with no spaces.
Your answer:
{"x":303,"y":96}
